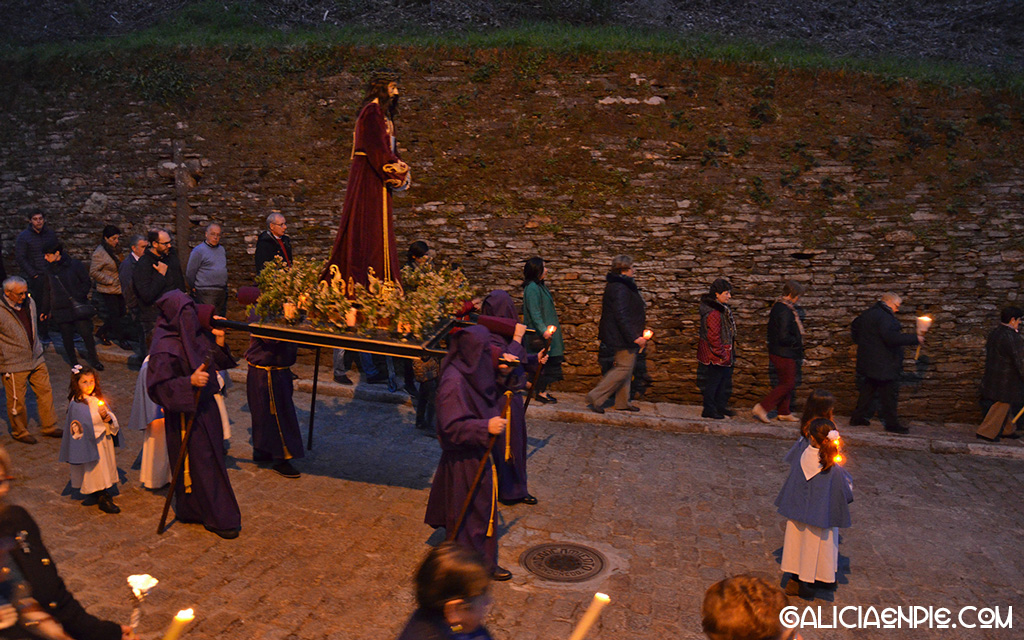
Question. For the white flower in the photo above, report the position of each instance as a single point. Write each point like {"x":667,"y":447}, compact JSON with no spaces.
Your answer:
{"x":833,"y":435}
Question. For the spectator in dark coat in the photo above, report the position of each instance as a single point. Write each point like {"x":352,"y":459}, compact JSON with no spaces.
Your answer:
{"x":69,"y":284}
{"x":716,"y":353}
{"x":156,"y":273}
{"x":273,"y":242}
{"x":880,"y":360}
{"x":34,"y":563}
{"x":133,"y":328}
{"x":1002,"y":386}
{"x":785,"y":350}
{"x":621,"y":329}
{"x":28,"y":253}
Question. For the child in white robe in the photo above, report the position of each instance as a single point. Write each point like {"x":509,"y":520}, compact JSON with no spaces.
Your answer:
{"x":147,"y":415}
{"x":88,"y":441}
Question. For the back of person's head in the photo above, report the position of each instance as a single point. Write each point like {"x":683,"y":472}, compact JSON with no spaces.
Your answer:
{"x":450,"y":572}
{"x":53,"y":247}
{"x":818,"y":434}
{"x":622,"y":264}
{"x":820,"y":404}
{"x":720,"y":285}
{"x":1010,"y":313}
{"x":793,"y":289}
{"x":892,"y":298}
{"x":743,"y":608}
{"x":533,"y":270}
{"x":418,"y":249}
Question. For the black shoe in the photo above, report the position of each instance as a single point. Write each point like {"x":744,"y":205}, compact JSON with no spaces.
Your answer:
{"x":861,"y":422}
{"x":227,"y":534}
{"x":527,"y":499}
{"x":500,"y":574}
{"x":286,"y":469}
{"x":631,"y":407}
{"x":595,"y":409}
{"x":985,"y":438}
{"x":106,"y":503}
{"x":727,"y":412}
{"x":97,"y":365}
{"x":124,"y":344}
{"x":714,"y":415}
{"x":343,"y":379}
{"x":897,"y":429}
{"x":259,"y":456}
{"x":546,"y":398}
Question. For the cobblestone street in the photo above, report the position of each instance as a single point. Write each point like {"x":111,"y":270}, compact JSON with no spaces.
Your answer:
{"x":331,"y":555}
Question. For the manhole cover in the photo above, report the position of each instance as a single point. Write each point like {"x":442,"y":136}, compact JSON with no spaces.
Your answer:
{"x":563,"y":562}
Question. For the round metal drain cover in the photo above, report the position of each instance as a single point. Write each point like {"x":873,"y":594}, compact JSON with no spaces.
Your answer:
{"x":563,"y":562}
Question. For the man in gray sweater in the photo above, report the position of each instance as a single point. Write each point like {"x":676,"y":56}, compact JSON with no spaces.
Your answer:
{"x":207,"y":271}
{"x":22,"y":363}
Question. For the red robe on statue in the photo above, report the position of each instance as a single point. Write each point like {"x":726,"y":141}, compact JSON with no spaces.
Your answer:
{"x":366,"y":236}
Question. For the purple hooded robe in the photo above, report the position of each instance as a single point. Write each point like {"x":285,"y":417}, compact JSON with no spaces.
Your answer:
{"x":510,"y":453}
{"x":180,"y":345}
{"x":269,"y":388}
{"x":466,"y":400}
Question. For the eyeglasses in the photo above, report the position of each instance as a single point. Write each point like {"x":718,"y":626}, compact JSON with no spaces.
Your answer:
{"x":159,"y":242}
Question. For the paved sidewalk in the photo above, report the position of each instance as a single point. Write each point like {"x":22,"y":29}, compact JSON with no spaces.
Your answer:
{"x":330,"y":555}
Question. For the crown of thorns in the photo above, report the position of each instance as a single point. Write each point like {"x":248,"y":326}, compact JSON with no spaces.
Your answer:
{"x":384,"y":76}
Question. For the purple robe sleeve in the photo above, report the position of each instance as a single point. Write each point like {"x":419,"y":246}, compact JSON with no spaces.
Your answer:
{"x":168,"y":385}
{"x":457,"y":424}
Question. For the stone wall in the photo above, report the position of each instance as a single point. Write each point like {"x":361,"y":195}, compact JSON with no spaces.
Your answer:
{"x":852,"y":184}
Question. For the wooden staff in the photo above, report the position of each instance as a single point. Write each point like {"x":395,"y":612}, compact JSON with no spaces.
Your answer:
{"x":479,"y":474}
{"x":536,"y":374}
{"x":180,"y":465}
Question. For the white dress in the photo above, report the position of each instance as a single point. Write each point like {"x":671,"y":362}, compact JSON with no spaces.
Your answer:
{"x":810,"y":553}
{"x":99,"y":474}
{"x":148,"y":415}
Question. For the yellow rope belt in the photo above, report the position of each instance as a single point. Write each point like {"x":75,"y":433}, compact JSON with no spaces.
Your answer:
{"x":273,"y":404}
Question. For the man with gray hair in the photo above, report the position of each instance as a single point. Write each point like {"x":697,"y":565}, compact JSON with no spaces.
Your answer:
{"x":22,"y":363}
{"x":880,"y":343}
{"x":273,"y":242}
{"x":207,"y":271}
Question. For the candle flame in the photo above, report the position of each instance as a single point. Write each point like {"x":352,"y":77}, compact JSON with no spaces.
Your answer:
{"x":552,"y":328}
{"x":602,"y":598}
{"x":838,"y":459}
{"x":185,"y":615}
{"x":924,"y":318}
{"x":102,"y":403}
{"x":648,"y":334}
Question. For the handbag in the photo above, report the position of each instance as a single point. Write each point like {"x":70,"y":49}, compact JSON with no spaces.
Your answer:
{"x":79,"y":310}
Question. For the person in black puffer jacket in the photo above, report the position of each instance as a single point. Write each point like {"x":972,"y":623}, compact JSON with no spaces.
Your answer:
{"x":68,"y":283}
{"x":621,"y":330}
{"x":785,"y":351}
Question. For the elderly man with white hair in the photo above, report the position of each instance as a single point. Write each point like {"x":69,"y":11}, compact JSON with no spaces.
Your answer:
{"x":274,"y":241}
{"x":879,"y":361}
{"x":22,"y":364}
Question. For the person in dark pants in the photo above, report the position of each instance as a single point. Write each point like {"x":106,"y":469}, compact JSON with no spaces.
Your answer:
{"x":68,"y":283}
{"x":103,"y":269}
{"x":715,"y":349}
{"x":207,"y":271}
{"x":785,"y":351}
{"x":880,"y":343}
{"x":28,"y":253}
{"x":156,"y":273}
{"x":133,"y":327}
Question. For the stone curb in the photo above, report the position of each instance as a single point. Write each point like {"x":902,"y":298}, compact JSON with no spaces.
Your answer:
{"x":677,"y":423}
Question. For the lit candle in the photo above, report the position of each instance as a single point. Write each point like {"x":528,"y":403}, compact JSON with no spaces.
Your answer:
{"x":648,"y":334}
{"x":924,"y":323}
{"x":590,"y":617}
{"x":181,"y":620}
{"x":838,"y":459}
{"x":140,"y":585}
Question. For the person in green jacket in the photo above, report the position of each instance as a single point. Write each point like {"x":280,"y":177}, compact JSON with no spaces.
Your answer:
{"x":539,"y":314}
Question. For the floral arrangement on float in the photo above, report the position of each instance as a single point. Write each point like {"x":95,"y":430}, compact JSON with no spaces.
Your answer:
{"x":296,"y":296}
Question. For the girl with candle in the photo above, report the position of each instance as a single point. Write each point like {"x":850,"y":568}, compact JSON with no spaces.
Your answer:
{"x":88,"y":441}
{"x":539,"y":314}
{"x":815,"y":499}
{"x":452,"y":596}
{"x":467,"y":415}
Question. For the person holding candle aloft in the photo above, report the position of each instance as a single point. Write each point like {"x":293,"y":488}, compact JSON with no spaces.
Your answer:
{"x":1002,"y":386}
{"x":815,"y":500}
{"x":715,"y":349}
{"x":88,"y":441}
{"x":39,"y":571}
{"x":183,"y":361}
{"x":539,"y":314}
{"x":785,"y":350}
{"x":452,"y":596}
{"x":468,"y":414}
{"x":880,"y":343}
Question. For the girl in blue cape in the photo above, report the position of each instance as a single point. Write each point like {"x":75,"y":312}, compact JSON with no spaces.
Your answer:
{"x":88,"y":441}
{"x":815,"y":499}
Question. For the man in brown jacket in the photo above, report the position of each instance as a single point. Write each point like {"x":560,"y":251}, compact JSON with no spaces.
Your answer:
{"x":22,"y":363}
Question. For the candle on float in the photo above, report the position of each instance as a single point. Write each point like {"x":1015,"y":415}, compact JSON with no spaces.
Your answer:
{"x":178,"y":624}
{"x":590,"y":617}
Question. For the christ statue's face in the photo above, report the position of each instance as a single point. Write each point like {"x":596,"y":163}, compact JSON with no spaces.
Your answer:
{"x":392,"y":89}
